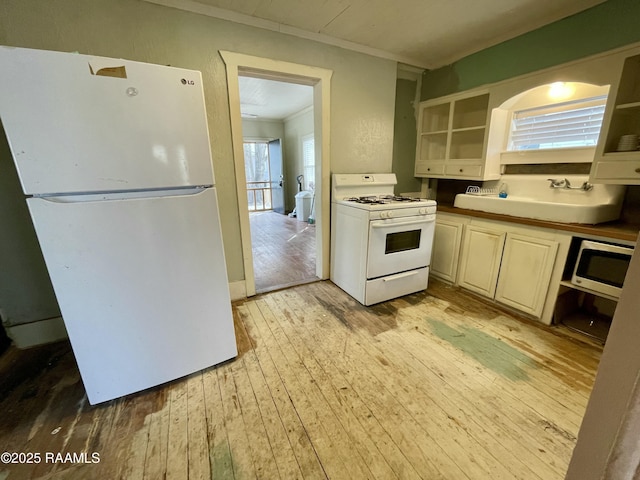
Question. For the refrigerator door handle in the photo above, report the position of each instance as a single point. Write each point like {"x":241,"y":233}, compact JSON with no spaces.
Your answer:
{"x":122,"y":195}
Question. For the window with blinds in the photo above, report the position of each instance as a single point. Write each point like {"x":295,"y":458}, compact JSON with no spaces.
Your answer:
{"x":309,"y":162}
{"x":561,"y":125}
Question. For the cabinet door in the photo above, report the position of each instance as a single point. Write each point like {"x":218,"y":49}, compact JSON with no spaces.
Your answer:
{"x":446,"y":250}
{"x":527,"y":265}
{"x":480,"y":262}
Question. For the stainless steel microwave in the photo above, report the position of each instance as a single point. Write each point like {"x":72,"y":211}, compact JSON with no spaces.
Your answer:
{"x":601,"y":267}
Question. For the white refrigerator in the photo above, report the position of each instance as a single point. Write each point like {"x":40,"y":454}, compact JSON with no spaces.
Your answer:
{"x":114,"y":160}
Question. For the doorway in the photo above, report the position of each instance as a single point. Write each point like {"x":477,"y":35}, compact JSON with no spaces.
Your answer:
{"x":239,"y":65}
{"x":283,"y":238}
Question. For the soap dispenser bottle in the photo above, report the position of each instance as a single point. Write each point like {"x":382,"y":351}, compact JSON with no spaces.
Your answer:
{"x":502,"y":191}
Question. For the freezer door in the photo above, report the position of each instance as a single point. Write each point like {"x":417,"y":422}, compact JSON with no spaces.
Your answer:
{"x":78,"y":123}
{"x":142,"y":287}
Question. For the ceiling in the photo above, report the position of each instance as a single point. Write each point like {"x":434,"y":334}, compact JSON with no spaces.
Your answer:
{"x":426,"y":34}
{"x":421,"y":33}
{"x":270,"y":99}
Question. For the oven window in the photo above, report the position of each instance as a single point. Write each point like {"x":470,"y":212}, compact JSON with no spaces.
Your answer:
{"x":609,"y":268}
{"x":402,"y":241}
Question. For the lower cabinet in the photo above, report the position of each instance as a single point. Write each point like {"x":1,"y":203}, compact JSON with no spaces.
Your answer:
{"x":510,"y":264}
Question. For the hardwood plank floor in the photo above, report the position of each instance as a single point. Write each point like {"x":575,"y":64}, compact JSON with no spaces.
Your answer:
{"x":284,"y":251}
{"x":433,"y":385}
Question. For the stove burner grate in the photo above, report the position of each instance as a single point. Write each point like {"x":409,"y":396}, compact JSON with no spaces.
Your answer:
{"x":400,"y":198}
{"x":372,"y":200}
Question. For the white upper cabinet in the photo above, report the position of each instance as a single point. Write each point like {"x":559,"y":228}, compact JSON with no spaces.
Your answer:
{"x":467,"y":135}
{"x":452,"y":138}
{"x":617,"y":156}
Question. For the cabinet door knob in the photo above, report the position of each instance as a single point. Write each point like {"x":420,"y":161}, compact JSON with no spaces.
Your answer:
{"x":429,"y":169}
{"x":637,"y":170}
{"x":461,"y":170}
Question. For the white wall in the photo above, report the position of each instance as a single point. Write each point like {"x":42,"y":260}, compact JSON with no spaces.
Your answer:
{"x":363,"y":87}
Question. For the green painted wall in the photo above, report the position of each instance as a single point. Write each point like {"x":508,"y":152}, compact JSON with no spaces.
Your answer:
{"x":404,"y":137}
{"x":612,"y":24}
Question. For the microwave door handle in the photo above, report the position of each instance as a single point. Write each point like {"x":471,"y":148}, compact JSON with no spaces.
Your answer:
{"x":381,"y":224}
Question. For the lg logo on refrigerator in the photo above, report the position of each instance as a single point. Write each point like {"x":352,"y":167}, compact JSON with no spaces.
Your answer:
{"x":187,"y":82}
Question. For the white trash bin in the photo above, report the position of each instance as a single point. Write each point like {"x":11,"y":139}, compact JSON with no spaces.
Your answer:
{"x":303,"y":205}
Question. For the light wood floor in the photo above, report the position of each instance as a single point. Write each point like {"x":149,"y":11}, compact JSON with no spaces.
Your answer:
{"x":434,"y":385}
{"x":284,"y":251}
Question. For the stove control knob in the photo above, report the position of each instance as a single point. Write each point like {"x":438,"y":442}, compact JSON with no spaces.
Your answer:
{"x":386,"y":214}
{"x":423,"y":211}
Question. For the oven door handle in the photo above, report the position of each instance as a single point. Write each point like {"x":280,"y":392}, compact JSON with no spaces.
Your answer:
{"x":384,"y":224}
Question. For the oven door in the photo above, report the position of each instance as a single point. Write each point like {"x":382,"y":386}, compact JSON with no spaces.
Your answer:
{"x":399,"y":244}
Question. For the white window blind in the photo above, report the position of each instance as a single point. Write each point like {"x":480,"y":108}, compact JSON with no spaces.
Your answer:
{"x":561,"y":125}
{"x":309,"y":163}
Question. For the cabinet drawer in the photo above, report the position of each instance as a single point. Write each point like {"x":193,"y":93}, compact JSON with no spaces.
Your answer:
{"x":462,"y":170}
{"x":618,"y":170}
{"x":429,"y":168}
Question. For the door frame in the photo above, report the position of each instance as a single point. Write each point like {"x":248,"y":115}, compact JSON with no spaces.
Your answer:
{"x":320,"y":80}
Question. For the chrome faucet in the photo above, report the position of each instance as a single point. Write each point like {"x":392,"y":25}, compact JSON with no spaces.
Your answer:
{"x":565,"y":183}
{"x":558,"y":182}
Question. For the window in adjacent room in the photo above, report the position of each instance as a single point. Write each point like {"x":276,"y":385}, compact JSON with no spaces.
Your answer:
{"x":309,"y":163}
{"x":256,"y":166}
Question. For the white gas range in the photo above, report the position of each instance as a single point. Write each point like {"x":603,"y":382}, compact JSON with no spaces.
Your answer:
{"x":380,"y":242}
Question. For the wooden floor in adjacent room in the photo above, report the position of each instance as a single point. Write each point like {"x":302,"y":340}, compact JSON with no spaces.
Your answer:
{"x":436,"y":385}
{"x":284,"y":250}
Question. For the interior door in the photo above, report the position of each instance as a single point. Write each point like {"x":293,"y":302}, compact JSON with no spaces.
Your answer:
{"x":277,"y":176}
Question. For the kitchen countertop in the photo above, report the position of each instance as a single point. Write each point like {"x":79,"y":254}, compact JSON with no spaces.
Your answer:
{"x":613,"y":230}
